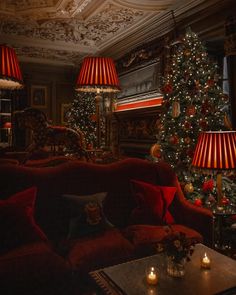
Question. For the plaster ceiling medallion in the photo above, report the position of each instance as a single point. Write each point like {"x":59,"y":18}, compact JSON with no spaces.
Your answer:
{"x":64,"y":30}
{"x":93,"y":32}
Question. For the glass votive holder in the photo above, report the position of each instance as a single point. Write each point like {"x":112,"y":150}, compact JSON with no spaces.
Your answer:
{"x":152,"y":275}
{"x":205,"y":262}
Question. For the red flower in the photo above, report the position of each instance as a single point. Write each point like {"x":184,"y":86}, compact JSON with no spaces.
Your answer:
{"x":208,"y":186}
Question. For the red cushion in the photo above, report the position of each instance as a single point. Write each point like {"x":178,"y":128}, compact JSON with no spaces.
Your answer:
{"x":17,"y":224}
{"x":148,"y":234}
{"x":153,"y":202}
{"x":145,"y":237}
{"x":100,"y":250}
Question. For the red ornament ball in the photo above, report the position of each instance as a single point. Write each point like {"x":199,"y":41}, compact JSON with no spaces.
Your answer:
{"x":191,"y":110}
{"x":93,"y":117}
{"x":187,"y":125}
{"x":174,"y":139}
{"x":187,"y":140}
{"x":210,"y":82}
{"x":224,"y":201}
{"x":167,"y":88}
{"x":203,"y":124}
{"x":198,"y":202}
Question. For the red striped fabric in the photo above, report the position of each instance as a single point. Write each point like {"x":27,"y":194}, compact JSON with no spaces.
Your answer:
{"x":216,"y":150}
{"x":98,"y":72}
{"x":9,"y":66}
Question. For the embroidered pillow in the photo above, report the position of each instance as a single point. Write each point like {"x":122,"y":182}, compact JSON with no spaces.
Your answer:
{"x":153,"y":202}
{"x":88,"y":216}
{"x":17,"y":224}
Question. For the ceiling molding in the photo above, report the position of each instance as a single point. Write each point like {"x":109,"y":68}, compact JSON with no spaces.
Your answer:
{"x":76,"y":28}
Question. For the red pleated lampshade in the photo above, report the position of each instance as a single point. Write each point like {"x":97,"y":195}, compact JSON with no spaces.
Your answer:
{"x":10,"y":74}
{"x":98,"y":73}
{"x":216,"y":150}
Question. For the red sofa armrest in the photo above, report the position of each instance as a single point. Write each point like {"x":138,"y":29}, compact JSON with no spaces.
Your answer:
{"x":198,"y":218}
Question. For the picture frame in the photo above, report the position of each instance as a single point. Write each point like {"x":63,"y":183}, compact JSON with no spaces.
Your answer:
{"x":64,"y":109}
{"x":39,"y":96}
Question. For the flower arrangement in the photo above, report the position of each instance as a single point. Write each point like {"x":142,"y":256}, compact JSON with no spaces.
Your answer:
{"x":176,"y":246}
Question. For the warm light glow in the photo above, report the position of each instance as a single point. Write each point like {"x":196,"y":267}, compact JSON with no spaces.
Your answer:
{"x":98,"y":73}
{"x":206,"y":262}
{"x":10,"y":74}
{"x":216,"y":150}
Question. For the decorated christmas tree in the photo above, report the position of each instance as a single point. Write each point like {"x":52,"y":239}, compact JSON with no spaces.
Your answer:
{"x":82,"y":115}
{"x":193,"y":102}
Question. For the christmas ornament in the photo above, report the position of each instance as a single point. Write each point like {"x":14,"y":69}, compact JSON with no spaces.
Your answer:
{"x":93,"y":117}
{"x":203,"y":124}
{"x":174,"y":139}
{"x":191,"y":110}
{"x":225,"y":201}
{"x":187,"y":140}
{"x":187,"y":52}
{"x":155,"y":151}
{"x":167,"y":88}
{"x":188,"y":188}
{"x":187,"y":125}
{"x":211,"y":199}
{"x":175,"y":109}
{"x":89,"y":146}
{"x":198,"y":202}
{"x":159,"y":125}
{"x":210,"y":83}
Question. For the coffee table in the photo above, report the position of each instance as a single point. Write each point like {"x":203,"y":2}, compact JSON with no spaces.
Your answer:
{"x":129,"y":278}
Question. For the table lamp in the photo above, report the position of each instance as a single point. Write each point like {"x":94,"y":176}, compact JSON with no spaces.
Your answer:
{"x":216,"y":151}
{"x":10,"y":74}
{"x":98,"y":74}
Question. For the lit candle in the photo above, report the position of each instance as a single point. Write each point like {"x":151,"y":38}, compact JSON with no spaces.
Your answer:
{"x":152,"y":276}
{"x":206,"y":262}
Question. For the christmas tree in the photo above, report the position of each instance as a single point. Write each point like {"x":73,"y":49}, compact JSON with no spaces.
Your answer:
{"x":193,"y":102}
{"x":82,"y":115}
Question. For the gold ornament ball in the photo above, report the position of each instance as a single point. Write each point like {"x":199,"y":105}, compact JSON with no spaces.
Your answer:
{"x":155,"y":151}
{"x":189,"y":188}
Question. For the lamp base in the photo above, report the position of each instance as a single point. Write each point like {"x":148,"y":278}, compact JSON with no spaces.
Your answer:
{"x":219,"y":189}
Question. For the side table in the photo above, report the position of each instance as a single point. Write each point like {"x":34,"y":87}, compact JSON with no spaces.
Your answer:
{"x":221,"y":236}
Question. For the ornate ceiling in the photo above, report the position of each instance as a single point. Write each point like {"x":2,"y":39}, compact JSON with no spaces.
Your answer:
{"x":64,"y":31}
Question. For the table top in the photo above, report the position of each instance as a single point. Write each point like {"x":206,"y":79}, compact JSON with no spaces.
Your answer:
{"x":129,"y":278}
{"x":224,"y":211}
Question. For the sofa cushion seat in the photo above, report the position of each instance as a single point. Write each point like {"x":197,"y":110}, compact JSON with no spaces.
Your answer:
{"x":31,"y":265}
{"x":145,"y":237}
{"x":100,"y":250}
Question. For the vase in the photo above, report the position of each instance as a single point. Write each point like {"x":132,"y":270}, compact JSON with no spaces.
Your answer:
{"x":175,"y":269}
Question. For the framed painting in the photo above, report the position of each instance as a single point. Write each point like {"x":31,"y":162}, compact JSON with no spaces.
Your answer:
{"x":140,"y":81}
{"x":39,"y":96}
{"x":65,"y":107}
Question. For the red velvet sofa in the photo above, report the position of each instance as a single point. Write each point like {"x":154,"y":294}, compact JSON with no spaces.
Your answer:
{"x":53,"y":257}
